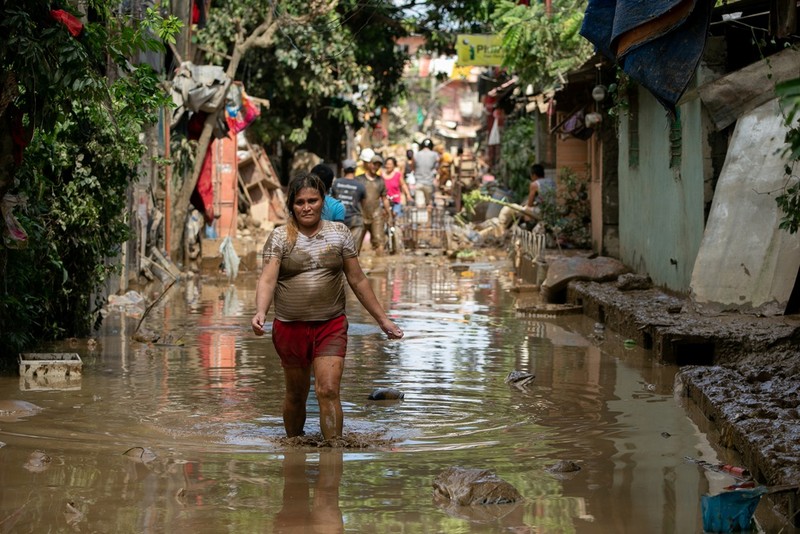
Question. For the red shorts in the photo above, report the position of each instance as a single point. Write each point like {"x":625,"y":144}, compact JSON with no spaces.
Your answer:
{"x":299,"y":342}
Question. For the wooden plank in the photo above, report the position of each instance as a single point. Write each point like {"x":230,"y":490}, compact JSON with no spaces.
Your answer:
{"x":735,"y":94}
{"x":783,"y":18}
{"x":265,"y":166}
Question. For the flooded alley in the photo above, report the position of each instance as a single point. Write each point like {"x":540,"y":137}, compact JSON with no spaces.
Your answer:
{"x":186,"y":436}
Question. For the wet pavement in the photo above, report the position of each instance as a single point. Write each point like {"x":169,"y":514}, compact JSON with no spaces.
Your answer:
{"x":187,"y":435}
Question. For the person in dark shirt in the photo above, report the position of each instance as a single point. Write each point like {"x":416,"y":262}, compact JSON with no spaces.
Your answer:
{"x":351,"y":193}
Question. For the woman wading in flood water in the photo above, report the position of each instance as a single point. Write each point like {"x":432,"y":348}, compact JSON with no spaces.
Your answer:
{"x":303,"y":266}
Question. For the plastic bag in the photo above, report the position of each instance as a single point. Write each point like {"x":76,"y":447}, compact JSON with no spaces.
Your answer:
{"x":229,"y":258}
{"x":14,"y":236}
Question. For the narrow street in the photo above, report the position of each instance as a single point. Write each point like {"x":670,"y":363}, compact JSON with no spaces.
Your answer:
{"x":582,"y":222}
{"x":188,"y":436}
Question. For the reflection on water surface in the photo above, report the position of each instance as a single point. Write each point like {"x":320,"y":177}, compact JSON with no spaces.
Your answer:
{"x":208,"y":416}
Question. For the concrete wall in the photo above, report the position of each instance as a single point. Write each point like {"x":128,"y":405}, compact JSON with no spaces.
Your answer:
{"x":661,"y":209}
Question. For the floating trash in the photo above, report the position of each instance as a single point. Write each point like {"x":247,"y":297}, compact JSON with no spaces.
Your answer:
{"x":731,"y":511}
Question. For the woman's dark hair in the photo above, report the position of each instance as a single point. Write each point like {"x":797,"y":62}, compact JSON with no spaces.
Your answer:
{"x":410,"y":154}
{"x":299,"y":182}
{"x":537,"y":170}
{"x":393,"y":160}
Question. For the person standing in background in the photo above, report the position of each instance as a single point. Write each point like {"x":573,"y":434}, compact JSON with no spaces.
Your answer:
{"x":376,"y":205}
{"x":457,"y":161}
{"x":408,"y":174}
{"x":426,"y":163}
{"x":351,"y":193}
{"x":445,"y":177}
{"x":332,"y":210}
{"x":364,"y":160}
{"x":396,"y":188}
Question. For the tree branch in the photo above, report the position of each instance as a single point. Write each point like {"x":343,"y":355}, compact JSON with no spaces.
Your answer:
{"x":261,"y":37}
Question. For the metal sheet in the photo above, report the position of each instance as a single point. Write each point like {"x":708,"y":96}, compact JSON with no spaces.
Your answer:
{"x":745,"y":262}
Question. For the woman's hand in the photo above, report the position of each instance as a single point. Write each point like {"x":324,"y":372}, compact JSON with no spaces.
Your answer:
{"x":391,"y":330}
{"x":258,"y":324}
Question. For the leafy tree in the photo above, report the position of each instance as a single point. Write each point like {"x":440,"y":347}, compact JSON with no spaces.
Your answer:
{"x":315,"y":63}
{"x":338,"y":64}
{"x":518,"y":156}
{"x":537,"y":45}
{"x":322,"y":59}
{"x":440,"y":20}
{"x":85,"y":123}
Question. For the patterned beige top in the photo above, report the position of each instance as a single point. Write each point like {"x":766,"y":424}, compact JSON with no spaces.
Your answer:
{"x":311,"y":281}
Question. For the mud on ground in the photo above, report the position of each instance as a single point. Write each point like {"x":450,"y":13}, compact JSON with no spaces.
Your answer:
{"x":348,"y":441}
{"x":743,"y":373}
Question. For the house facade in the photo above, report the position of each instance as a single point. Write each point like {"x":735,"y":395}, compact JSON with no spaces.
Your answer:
{"x":662,"y":172}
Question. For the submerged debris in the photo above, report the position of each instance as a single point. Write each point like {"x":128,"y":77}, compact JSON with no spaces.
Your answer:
{"x":468,"y":487}
{"x":563,"y":466}
{"x":73,"y":514}
{"x":17,"y":410}
{"x":143,"y":335}
{"x":519,"y":379}
{"x":38,"y":461}
{"x":386,"y":394}
{"x":140,"y":455}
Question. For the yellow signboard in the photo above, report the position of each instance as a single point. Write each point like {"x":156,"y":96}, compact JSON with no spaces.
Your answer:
{"x":479,"y":50}
{"x":461,"y":73}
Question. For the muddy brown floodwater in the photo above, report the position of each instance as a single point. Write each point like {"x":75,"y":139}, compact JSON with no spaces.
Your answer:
{"x":187,"y":437}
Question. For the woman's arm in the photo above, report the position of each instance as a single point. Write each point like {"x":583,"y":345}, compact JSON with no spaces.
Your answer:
{"x":360,"y":285}
{"x":265,"y":290}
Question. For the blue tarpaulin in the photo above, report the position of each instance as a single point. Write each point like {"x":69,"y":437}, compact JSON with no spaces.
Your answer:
{"x":658,"y":43}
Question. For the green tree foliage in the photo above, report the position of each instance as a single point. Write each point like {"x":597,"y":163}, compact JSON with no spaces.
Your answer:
{"x":315,"y":66}
{"x":789,"y":200}
{"x":518,"y":156}
{"x":84,"y":153}
{"x":539,"y":46}
{"x":439,"y":20}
